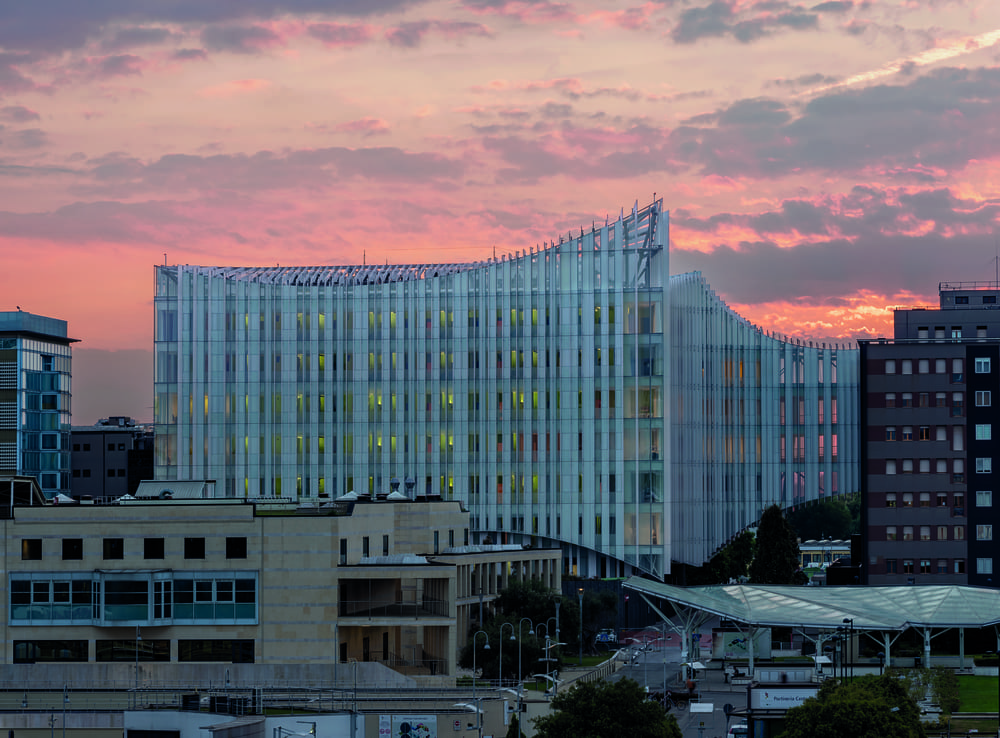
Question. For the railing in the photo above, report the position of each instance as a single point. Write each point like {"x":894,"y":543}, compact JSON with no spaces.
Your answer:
{"x":398,"y":608}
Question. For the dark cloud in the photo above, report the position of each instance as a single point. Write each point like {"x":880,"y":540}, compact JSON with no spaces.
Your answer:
{"x":816,"y":79}
{"x":340,"y":34}
{"x":555,"y":110}
{"x":868,"y":226}
{"x":30,"y":138}
{"x":118,"y":174}
{"x":525,"y":10}
{"x":722,"y":18}
{"x":411,"y":34}
{"x":18,"y":114}
{"x":54,"y":26}
{"x":130,"y":38}
{"x":118,"y":65}
{"x":852,"y":130}
{"x":834,"y":6}
{"x":239,"y":39}
{"x":12,"y":80}
{"x":189,"y":55}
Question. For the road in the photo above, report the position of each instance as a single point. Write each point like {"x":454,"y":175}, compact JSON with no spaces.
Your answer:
{"x":655,"y":668}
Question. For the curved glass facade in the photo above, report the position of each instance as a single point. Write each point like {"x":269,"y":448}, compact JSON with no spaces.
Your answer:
{"x":571,"y":394}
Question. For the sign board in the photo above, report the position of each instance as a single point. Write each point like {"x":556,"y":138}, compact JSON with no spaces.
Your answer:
{"x":409,"y":726}
{"x":776,"y":698}
{"x":701,"y":706}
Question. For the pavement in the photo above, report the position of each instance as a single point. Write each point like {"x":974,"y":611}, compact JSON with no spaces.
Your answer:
{"x":654,"y":668}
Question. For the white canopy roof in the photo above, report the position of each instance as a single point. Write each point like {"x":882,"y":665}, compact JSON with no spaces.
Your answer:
{"x":871,"y":608}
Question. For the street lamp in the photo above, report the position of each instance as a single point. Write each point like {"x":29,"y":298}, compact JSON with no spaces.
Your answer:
{"x":850,"y":643}
{"x":579,"y":592}
{"x":520,"y":679}
{"x":500,"y":667}
{"x":479,"y":717}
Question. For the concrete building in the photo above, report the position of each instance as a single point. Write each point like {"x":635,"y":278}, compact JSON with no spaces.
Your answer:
{"x":574,"y":394}
{"x":35,"y":392}
{"x":928,"y":415}
{"x":187,"y":591}
{"x":110,"y":459}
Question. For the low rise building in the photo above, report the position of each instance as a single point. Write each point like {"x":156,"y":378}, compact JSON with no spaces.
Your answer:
{"x":188,"y":590}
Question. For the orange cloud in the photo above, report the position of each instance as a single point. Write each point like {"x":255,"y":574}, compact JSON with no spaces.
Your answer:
{"x":235,"y":87}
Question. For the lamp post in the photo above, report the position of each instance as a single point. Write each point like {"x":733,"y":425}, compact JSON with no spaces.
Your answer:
{"x":135,"y":696}
{"x":479,"y":716}
{"x":558,"y":603}
{"x":579,"y":593}
{"x":500,"y":667}
{"x":850,"y":643}
{"x":881,"y":662}
{"x":520,"y":677}
{"x":65,"y":702}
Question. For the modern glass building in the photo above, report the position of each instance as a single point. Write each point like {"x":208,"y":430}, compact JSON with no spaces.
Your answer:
{"x":573,"y":394}
{"x":35,"y":378}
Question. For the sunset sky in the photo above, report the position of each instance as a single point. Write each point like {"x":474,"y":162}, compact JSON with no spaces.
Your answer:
{"x":822,"y":162}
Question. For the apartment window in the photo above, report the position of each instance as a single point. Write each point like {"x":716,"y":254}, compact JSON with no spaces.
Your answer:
{"x":984,"y":532}
{"x":941,"y":466}
{"x":343,"y":551}
{"x":907,"y":366}
{"x":956,"y":330}
{"x":907,"y":499}
{"x":890,"y":366}
{"x":890,"y":566}
{"x":940,"y":399}
{"x":114,"y":548}
{"x":984,"y":566}
{"x":194,"y":548}
{"x":236,"y":547}
{"x":924,"y":366}
{"x":31,"y":549}
{"x":890,"y":399}
{"x":925,"y":499}
{"x":924,"y":399}
{"x":989,"y":299}
{"x":961,"y":300}
{"x":983,"y":398}
{"x":958,"y":470}
{"x":959,"y":566}
{"x":385,"y":545}
{"x":942,"y":499}
{"x":982,"y":365}
{"x":72,"y":549}
{"x":925,"y":467}
{"x":907,"y":532}
{"x":984,"y":498}
{"x":890,"y":433}
{"x":984,"y":465}
{"x":890,"y":466}
{"x":907,"y":566}
{"x":924,"y":433}
{"x":942,"y":532}
{"x":907,"y":399}
{"x":925,"y":566}
{"x":890,"y":499}
{"x":365,"y":550}
{"x":925,"y":532}
{"x":940,"y":365}
{"x":907,"y":466}
{"x":958,"y":533}
{"x":957,"y":367}
{"x":907,"y":432}
{"x":984,"y":432}
{"x":152,"y":548}
{"x":890,"y":533}
{"x":437,"y":542}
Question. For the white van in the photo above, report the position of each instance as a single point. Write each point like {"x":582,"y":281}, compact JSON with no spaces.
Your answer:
{"x":739,"y":731}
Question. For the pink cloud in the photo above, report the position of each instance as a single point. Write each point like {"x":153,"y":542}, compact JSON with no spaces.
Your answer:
{"x":341,"y":34}
{"x":235,"y":87}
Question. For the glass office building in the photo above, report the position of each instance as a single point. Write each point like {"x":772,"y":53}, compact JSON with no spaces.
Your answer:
{"x":35,"y":378}
{"x":573,"y":394}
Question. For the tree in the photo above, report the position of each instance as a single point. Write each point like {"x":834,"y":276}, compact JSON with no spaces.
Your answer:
{"x":776,"y":556}
{"x":830,"y":518}
{"x":600,"y":709}
{"x":514,"y":729}
{"x":868,"y":707}
{"x":729,"y":563}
